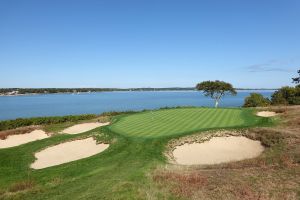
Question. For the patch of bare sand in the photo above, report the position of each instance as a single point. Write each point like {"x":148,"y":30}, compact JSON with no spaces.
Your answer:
{"x":81,"y":128}
{"x":266,"y":114}
{"x":16,"y":140}
{"x":217,"y":150}
{"x":67,"y":152}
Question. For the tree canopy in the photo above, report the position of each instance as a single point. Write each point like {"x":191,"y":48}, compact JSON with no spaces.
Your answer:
{"x":286,"y":95}
{"x":297,"y":79}
{"x":216,"y":89}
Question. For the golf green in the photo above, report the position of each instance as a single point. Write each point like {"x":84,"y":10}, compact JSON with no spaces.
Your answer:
{"x":168,"y":122}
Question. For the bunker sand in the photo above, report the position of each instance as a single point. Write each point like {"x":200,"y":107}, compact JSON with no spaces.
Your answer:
{"x":217,"y":150}
{"x":266,"y":114}
{"x":81,"y":128}
{"x":67,"y":152}
{"x":16,"y":140}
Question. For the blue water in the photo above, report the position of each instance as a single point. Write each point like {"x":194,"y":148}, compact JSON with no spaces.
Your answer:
{"x":12,"y":107}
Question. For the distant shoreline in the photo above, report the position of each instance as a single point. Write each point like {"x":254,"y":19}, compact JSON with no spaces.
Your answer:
{"x":38,"y":91}
{"x":122,"y":90}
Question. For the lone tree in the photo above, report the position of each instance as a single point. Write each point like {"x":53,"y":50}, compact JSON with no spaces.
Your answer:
{"x":216,"y":89}
{"x":297,"y":79}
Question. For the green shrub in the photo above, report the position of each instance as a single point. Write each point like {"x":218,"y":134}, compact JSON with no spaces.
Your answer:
{"x":286,"y":95}
{"x":256,"y":100}
{"x":278,"y":99}
{"x":294,"y":100}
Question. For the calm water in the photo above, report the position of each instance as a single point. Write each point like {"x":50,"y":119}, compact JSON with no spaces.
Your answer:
{"x":67,"y":104}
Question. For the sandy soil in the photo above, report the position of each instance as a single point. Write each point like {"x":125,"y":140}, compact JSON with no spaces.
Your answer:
{"x":217,"y":150}
{"x":67,"y":152}
{"x":266,"y":114}
{"x":81,"y":128}
{"x":16,"y":140}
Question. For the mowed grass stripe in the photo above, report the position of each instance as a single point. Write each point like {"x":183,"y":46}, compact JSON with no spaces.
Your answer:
{"x":169,"y":128}
{"x":219,"y":121}
{"x":185,"y":126}
{"x":141,"y":120}
{"x":210,"y":118}
{"x":200,"y":119}
{"x":230,"y":117}
{"x":176,"y":123}
{"x":236,"y":117}
{"x":179,"y":121}
{"x":160,"y":122}
{"x":196,"y":117}
{"x":183,"y":123}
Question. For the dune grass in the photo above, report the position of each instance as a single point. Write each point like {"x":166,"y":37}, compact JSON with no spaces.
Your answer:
{"x":170,"y":122}
{"x":123,"y":171}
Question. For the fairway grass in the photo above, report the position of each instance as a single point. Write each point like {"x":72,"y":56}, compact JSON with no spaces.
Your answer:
{"x":168,"y":122}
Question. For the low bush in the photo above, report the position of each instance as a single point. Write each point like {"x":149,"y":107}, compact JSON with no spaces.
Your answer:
{"x":256,"y":100}
{"x":269,"y":139}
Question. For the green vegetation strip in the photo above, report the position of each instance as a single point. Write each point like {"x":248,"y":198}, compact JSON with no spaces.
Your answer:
{"x":168,"y":122}
{"x":20,"y":122}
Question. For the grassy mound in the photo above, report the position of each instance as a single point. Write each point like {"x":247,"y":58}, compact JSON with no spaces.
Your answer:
{"x":168,"y":122}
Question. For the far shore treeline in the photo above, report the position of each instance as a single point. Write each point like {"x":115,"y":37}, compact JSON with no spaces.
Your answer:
{"x":20,"y":91}
{"x":74,"y":90}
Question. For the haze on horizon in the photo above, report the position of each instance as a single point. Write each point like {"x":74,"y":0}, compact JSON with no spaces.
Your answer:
{"x":133,"y":43}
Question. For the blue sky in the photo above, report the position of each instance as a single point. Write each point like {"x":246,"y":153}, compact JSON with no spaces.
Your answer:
{"x":148,"y":43}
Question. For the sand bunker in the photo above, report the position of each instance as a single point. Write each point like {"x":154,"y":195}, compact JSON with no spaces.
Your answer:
{"x":67,"y":152}
{"x":16,"y":140}
{"x":266,"y":114}
{"x":217,"y":150}
{"x":81,"y":128}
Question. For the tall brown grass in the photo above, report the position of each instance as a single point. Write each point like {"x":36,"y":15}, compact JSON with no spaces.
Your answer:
{"x":22,"y":185}
{"x":18,"y":131}
{"x":184,"y":184}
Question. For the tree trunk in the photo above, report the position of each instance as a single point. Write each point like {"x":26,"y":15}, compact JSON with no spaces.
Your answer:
{"x":216,"y":103}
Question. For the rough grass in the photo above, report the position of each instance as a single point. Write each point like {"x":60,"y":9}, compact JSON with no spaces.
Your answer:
{"x":22,"y":185}
{"x":273,"y":175}
{"x":179,"y":121}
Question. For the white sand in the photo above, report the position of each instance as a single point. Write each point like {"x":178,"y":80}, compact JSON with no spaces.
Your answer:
{"x":16,"y":140}
{"x":266,"y":114}
{"x":81,"y":128}
{"x":67,"y":152}
{"x":218,"y":150}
